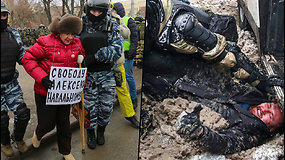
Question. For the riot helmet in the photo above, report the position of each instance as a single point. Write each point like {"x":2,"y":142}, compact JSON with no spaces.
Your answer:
{"x":104,"y":4}
{"x":4,"y":7}
{"x":97,"y":5}
{"x":4,"y":10}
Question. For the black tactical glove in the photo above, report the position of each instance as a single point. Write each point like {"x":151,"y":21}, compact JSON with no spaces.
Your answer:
{"x":46,"y":82}
{"x":268,"y":82}
{"x":191,"y":124}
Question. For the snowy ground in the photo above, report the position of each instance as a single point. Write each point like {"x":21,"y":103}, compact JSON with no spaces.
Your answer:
{"x":163,"y":143}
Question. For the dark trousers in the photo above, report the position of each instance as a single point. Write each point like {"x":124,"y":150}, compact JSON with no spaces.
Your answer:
{"x":50,"y":116}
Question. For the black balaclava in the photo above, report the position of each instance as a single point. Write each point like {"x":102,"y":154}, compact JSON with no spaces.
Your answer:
{"x":4,"y":23}
{"x":93,"y":18}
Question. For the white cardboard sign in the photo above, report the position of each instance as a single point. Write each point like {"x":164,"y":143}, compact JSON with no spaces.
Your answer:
{"x":68,"y":84}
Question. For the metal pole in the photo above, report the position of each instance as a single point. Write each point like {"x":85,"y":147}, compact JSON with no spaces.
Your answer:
{"x":132,"y":8}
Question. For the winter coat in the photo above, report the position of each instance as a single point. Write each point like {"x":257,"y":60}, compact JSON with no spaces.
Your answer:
{"x":133,"y":38}
{"x":133,"y":28}
{"x":50,"y":51}
{"x":125,"y":32}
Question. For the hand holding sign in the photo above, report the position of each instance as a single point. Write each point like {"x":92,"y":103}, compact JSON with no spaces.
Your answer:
{"x":46,"y":82}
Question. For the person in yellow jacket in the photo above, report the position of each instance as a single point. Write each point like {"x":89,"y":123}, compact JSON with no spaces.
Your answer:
{"x":122,"y":92}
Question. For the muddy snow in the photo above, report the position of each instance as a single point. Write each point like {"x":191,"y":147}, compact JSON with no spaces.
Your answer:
{"x":161,"y":142}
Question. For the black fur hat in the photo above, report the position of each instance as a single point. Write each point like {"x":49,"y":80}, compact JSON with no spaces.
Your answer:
{"x":66,"y":24}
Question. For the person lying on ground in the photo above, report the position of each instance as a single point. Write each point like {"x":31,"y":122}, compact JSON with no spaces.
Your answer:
{"x":185,"y":59}
{"x":247,"y":128}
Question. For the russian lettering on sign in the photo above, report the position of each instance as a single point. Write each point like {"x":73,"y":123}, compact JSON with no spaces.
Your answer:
{"x":68,"y":84}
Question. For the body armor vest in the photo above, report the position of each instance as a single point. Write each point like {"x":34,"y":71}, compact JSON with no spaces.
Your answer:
{"x":9,"y":55}
{"x":92,"y":42}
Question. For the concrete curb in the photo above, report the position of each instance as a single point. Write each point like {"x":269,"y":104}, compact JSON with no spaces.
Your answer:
{"x":73,"y":124}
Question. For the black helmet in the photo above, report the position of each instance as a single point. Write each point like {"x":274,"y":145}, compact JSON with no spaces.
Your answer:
{"x":4,"y":7}
{"x":99,"y":4}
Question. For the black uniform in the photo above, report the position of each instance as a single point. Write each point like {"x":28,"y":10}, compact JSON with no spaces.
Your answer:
{"x":169,"y":73}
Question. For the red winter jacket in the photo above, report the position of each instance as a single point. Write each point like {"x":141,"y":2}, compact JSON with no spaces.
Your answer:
{"x":50,"y":51}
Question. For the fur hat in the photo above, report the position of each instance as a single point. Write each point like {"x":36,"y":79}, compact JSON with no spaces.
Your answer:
{"x":66,"y":24}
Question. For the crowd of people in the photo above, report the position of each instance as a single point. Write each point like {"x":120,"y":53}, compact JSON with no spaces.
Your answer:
{"x":29,"y":36}
{"x":99,"y":41}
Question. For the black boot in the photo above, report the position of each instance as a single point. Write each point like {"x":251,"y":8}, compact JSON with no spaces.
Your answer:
{"x":91,"y":139}
{"x":100,"y":135}
{"x":135,"y":103}
{"x":134,"y":121}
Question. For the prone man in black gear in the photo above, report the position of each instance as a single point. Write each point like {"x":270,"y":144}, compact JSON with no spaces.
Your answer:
{"x":184,"y":57}
{"x":12,"y":51}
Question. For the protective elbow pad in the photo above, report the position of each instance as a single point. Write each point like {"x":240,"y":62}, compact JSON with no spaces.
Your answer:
{"x":194,"y":33}
{"x":23,"y":117}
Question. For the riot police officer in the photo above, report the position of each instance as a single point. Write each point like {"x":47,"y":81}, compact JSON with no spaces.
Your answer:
{"x":12,"y":51}
{"x":101,"y":39}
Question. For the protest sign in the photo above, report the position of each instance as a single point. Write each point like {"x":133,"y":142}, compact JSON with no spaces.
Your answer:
{"x":68,"y":84}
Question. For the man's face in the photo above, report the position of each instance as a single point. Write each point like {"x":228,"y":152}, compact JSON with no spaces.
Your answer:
{"x":4,"y":15}
{"x":270,"y":113}
{"x":96,"y":12}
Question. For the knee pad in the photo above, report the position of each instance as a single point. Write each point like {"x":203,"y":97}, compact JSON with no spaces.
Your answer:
{"x":23,"y":113}
{"x":4,"y":120}
{"x":23,"y":117}
{"x":5,"y":134}
{"x":194,"y":33}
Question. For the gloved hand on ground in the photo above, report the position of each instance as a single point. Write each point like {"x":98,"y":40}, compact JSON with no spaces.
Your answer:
{"x":191,"y":126}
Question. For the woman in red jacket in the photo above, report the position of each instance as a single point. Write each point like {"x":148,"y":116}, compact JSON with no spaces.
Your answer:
{"x":61,"y":49}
